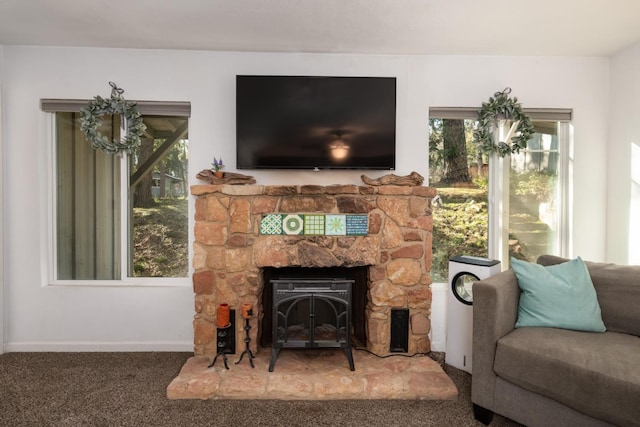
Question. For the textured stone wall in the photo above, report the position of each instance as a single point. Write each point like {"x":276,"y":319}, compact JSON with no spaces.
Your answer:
{"x":229,"y":253}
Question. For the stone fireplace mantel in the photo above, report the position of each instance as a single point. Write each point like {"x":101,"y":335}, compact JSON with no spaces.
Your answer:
{"x":230,"y":253}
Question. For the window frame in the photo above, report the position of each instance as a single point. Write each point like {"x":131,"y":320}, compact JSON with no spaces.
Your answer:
{"x":52,"y":106}
{"x":498,"y":166}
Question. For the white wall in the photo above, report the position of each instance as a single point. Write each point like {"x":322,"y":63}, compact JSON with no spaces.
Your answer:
{"x":43,"y":317}
{"x":2,"y":309}
{"x":623,"y":201}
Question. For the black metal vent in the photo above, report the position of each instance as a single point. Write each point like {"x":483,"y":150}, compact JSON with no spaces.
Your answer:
{"x":399,"y":330}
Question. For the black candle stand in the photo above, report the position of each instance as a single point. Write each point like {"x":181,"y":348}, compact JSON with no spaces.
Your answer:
{"x":247,"y":340}
{"x":222,"y":341}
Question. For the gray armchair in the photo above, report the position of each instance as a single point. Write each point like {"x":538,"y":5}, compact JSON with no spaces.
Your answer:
{"x":558,"y":377}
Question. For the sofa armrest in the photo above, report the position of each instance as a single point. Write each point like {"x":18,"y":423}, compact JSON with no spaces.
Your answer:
{"x":495,"y":311}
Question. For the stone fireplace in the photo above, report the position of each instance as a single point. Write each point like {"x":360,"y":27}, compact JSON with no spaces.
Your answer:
{"x":230,"y":254}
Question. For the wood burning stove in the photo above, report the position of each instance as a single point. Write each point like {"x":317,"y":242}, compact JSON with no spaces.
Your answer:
{"x":311,"y":313}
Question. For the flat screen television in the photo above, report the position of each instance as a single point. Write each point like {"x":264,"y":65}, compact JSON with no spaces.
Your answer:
{"x":297,"y":122}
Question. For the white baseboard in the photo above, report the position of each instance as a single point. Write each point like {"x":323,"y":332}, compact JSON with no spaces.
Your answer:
{"x":83,"y":346}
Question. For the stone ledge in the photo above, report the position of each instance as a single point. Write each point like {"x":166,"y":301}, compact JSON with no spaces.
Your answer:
{"x":335,"y":189}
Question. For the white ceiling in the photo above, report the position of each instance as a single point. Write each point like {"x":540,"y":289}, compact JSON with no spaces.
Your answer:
{"x":451,"y":27}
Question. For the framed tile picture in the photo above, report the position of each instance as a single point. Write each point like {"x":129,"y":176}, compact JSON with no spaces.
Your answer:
{"x":293,"y":224}
{"x":314,"y":224}
{"x":335,"y":225}
{"x":357,"y":225}
{"x":271,"y":224}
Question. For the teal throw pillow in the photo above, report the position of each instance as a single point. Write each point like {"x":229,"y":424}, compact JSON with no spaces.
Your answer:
{"x":557,"y":296}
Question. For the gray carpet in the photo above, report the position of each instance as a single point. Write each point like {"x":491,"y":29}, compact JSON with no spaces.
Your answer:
{"x":128,"y":389}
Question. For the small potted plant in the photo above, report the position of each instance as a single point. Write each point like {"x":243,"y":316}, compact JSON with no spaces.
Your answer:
{"x":217,"y":167}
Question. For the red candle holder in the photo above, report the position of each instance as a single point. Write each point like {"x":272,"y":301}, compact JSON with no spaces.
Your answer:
{"x":223,"y":315}
{"x":247,"y":310}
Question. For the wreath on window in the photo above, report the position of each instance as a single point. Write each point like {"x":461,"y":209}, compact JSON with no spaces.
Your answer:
{"x":500,"y":106}
{"x":90,"y":118}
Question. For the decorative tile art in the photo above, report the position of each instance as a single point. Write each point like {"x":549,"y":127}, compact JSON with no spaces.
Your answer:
{"x":357,"y":225}
{"x":271,"y":224}
{"x":293,"y":224}
{"x":335,"y":225}
{"x":315,"y":224}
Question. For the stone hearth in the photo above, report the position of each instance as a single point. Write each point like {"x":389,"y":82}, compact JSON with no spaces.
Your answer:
{"x":314,"y":375}
{"x":229,"y":253}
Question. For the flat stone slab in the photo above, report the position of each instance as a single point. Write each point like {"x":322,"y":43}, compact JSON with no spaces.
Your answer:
{"x":314,"y":375}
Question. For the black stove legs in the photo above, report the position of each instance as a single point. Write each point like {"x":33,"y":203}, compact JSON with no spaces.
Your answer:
{"x":347,"y":351}
{"x":274,"y":356}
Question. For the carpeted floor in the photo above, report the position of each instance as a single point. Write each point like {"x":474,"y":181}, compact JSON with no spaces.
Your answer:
{"x":129,"y":389}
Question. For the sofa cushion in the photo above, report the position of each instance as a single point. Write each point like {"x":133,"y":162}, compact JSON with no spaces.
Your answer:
{"x":597,"y":374}
{"x":559,"y":296}
{"x":618,"y":290}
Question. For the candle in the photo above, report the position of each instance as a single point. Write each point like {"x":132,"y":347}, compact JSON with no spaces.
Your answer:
{"x":223,"y":315}
{"x":247,"y":310}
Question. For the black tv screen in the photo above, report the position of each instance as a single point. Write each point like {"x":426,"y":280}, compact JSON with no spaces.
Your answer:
{"x":295,"y":122}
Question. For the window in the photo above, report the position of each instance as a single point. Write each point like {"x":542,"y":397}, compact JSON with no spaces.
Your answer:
{"x":537,"y":187}
{"x":124,"y":216}
{"x":88,"y":203}
{"x":498,"y":208}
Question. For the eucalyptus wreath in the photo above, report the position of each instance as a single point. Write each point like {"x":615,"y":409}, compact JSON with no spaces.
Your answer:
{"x":501,"y":106}
{"x":116,"y":104}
